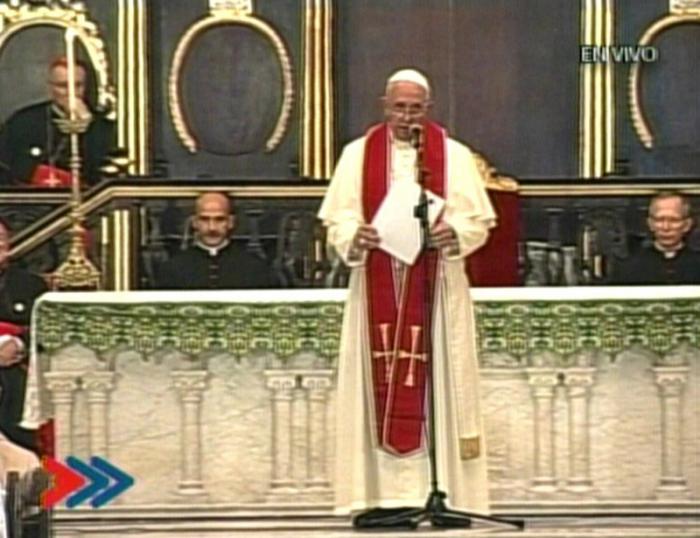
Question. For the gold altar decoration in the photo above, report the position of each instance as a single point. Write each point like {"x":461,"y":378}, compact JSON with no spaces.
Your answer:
{"x":680,"y":12}
{"x":493,"y":179}
{"x":16,"y":17}
{"x":77,"y":272}
{"x":237,"y":13}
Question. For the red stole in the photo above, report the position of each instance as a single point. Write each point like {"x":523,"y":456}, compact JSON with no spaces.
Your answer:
{"x":399,"y":361}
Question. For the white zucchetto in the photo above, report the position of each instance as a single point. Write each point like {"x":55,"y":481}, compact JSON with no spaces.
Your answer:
{"x":409,"y":75}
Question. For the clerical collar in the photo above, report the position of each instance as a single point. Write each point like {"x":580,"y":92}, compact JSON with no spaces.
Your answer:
{"x":668,"y":254}
{"x":212,"y":251}
{"x":399,"y":144}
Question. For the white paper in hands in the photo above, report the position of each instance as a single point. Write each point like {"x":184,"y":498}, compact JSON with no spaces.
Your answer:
{"x":398,"y":228}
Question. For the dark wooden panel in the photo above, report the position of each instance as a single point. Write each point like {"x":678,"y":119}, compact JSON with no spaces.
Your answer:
{"x":670,"y":94}
{"x":375,"y":38}
{"x":505,"y":73}
{"x":24,"y":64}
{"x":215,"y":72}
{"x":233,"y":108}
{"x":25,"y":58}
{"x":517,"y":84}
{"x":283,"y":228}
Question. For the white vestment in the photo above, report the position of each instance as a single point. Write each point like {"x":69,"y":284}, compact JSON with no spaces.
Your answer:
{"x":368,"y":477}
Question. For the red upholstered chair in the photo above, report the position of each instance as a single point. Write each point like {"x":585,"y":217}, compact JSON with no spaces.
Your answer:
{"x":496,"y":263}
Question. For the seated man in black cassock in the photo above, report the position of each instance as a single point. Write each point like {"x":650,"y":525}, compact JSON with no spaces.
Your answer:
{"x":668,"y":260}
{"x":34,"y":142}
{"x":18,"y":291}
{"x":214,"y":261}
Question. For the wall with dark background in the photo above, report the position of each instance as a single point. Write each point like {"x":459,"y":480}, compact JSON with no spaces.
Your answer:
{"x":505,"y":73}
{"x":26,"y":56}
{"x":670,"y":93}
{"x":231,"y":92}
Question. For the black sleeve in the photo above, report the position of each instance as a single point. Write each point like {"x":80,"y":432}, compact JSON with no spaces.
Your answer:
{"x":5,"y":176}
{"x":99,"y":142}
{"x":18,"y":164}
{"x":164,"y":276}
{"x":619,"y":272}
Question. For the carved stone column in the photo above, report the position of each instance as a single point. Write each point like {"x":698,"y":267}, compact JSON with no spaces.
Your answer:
{"x":62,"y":386}
{"x":578,"y":383}
{"x":98,"y":386}
{"x":282,"y":384}
{"x":317,"y":386}
{"x":190,"y":385}
{"x":671,"y":381}
{"x":543,"y":382}
{"x":299,"y":438}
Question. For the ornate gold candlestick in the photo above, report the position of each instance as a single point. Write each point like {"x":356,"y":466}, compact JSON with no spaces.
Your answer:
{"x":77,"y":271}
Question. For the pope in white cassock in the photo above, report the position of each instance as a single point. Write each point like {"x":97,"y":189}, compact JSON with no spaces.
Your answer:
{"x":382,"y":458}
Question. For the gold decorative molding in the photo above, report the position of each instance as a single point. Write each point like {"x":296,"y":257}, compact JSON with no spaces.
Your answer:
{"x":239,"y":7}
{"x":77,"y":272}
{"x":684,"y":7}
{"x":317,"y":111}
{"x":56,"y":222}
{"x":493,"y":180}
{"x":223,"y":13}
{"x":569,"y":191}
{"x":117,"y":247}
{"x":15,"y":17}
{"x":50,"y":225}
{"x":681,"y":12}
{"x":133,"y":130}
{"x":59,"y":197}
{"x":597,"y":93}
{"x":469,"y":447}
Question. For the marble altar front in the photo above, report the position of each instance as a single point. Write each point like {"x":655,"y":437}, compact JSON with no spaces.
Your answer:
{"x":225,"y":401}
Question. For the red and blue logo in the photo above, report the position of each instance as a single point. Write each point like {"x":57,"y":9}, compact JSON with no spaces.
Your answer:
{"x":100,"y":482}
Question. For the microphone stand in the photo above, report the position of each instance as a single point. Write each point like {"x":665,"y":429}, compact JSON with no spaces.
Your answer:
{"x":435,"y":509}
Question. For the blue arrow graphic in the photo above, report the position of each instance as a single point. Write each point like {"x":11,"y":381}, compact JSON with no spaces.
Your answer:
{"x":97,"y":482}
{"x":122,"y":481}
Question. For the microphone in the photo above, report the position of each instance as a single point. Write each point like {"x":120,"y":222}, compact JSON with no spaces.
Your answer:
{"x":416,"y":131}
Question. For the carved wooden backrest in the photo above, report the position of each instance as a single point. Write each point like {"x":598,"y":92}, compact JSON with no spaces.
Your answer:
{"x":32,"y":36}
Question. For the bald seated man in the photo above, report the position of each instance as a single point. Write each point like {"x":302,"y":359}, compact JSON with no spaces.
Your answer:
{"x":213,"y":261}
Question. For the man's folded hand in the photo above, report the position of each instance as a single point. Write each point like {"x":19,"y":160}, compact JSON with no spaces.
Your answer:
{"x":81,"y":121}
{"x":10,"y":352}
{"x":443,"y":236}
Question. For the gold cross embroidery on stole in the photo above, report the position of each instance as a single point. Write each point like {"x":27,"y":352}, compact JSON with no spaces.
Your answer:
{"x":387,"y":353}
{"x":413,"y":355}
